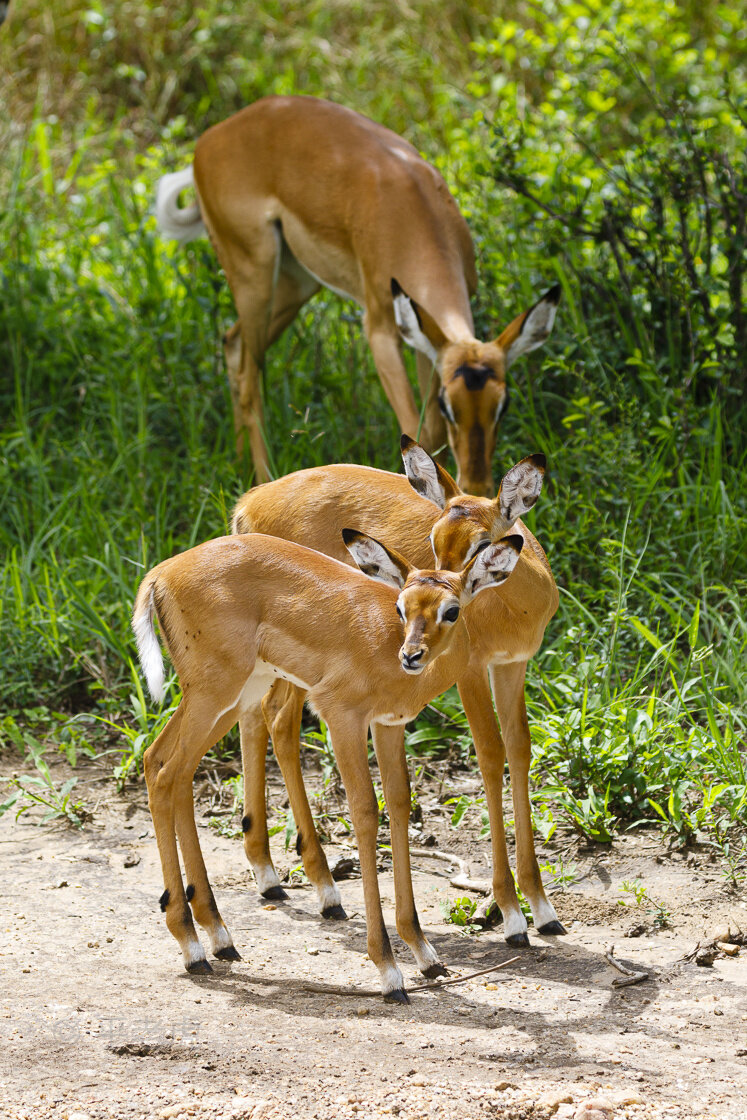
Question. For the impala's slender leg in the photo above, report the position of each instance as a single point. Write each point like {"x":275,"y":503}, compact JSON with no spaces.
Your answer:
{"x":283,"y":710}
{"x":434,"y":426}
{"x":172,"y":757}
{"x":253,"y":732}
{"x":390,"y":752}
{"x":387,"y":354}
{"x":474,"y":691}
{"x":294,"y":287}
{"x":508,"y":691}
{"x":291,"y":287}
{"x":251,"y":261}
{"x":349,"y":740}
{"x":199,"y":892}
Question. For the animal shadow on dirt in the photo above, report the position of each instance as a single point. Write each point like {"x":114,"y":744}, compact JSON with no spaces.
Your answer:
{"x":547,"y":961}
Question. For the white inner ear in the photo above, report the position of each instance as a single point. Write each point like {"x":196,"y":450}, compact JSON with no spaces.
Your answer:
{"x":492,"y":566}
{"x":534,"y":330}
{"x":375,"y":562}
{"x":422,"y":475}
{"x":406,"y":318}
{"x":520,"y":488}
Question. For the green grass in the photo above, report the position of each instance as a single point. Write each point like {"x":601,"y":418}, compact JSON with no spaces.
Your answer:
{"x":116,"y":446}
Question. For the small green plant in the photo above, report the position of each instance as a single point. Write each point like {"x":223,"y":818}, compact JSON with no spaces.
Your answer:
{"x":285,"y":822}
{"x":660,"y":913}
{"x":560,"y":874}
{"x":226,"y":826}
{"x":464,"y":804}
{"x":460,"y":913}
{"x":590,"y":815}
{"x":40,"y":789}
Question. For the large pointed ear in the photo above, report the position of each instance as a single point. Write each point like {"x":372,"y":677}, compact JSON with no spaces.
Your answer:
{"x":530,"y":330}
{"x":415,"y":324}
{"x":521,"y":487}
{"x":376,"y":560}
{"x":492,"y":565}
{"x":425,"y":475}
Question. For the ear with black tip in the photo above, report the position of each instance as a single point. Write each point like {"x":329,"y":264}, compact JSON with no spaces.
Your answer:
{"x":492,"y":565}
{"x":528,"y":331}
{"x":521,"y":487}
{"x":375,"y":560}
{"x":415,"y":325}
{"x":426,"y":475}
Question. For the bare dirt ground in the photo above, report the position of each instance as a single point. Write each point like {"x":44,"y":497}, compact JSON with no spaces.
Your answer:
{"x":100,"y":1020}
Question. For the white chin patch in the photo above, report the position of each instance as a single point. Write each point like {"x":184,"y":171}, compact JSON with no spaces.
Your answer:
{"x":413,"y":670}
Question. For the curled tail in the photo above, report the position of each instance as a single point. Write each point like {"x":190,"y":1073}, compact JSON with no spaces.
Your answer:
{"x":148,"y":647}
{"x":182,"y":223}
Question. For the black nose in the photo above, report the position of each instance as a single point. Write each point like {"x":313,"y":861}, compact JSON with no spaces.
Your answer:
{"x":411,"y":659}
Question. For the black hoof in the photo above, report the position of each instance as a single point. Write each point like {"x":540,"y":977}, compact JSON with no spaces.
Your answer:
{"x":399,"y":995}
{"x":433,"y":971}
{"x":198,"y":967}
{"x":518,"y":940}
{"x":275,"y":893}
{"x":552,"y":928}
{"x":229,"y":953}
{"x":335,"y":913}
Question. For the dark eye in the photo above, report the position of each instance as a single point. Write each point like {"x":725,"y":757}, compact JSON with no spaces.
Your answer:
{"x":399,"y":612}
{"x":451,"y":615}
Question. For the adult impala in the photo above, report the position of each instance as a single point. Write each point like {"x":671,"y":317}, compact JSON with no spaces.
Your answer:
{"x":505,"y":631}
{"x":240,"y":612}
{"x":298,"y":193}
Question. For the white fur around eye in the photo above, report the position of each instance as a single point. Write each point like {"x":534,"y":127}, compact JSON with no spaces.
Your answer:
{"x":442,"y":610}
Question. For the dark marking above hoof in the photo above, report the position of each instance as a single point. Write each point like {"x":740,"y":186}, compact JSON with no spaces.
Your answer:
{"x":299,"y":843}
{"x":190,"y":892}
{"x":550,"y":929}
{"x":433,"y":971}
{"x":399,"y":995}
{"x":164,"y":900}
{"x":274,"y":893}
{"x":198,"y":967}
{"x":518,"y":940}
{"x":335,"y":913}
{"x":229,"y":953}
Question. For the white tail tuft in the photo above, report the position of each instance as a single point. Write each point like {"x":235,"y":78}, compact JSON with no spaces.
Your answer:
{"x":148,"y":648}
{"x":182,"y":223}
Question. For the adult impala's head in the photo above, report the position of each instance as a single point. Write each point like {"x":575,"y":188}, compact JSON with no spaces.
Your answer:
{"x":467,"y":523}
{"x":430,"y":602}
{"x":473,"y":393}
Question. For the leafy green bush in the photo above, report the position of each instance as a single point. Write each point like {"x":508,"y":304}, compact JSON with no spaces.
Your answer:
{"x":601,"y":145}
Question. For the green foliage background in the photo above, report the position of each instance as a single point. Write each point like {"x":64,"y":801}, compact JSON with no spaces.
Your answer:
{"x":601,"y":145}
